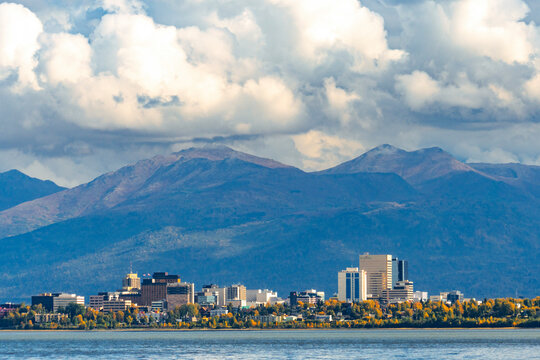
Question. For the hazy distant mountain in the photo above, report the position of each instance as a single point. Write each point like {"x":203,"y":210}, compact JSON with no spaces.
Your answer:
{"x":217,"y":215}
{"x":16,"y":188}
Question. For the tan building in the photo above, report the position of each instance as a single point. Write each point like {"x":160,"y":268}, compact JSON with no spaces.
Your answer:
{"x":235,"y":292}
{"x":378,"y":270}
{"x":352,"y":285}
{"x":131,"y":282}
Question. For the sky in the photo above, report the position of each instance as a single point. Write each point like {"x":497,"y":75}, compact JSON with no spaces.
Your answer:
{"x":89,"y":86}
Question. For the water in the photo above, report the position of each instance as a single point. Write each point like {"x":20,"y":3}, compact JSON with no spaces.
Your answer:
{"x":297,"y":344}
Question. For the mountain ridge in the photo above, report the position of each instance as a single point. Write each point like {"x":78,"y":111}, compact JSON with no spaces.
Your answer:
{"x":219,"y":215}
{"x":17,"y":188}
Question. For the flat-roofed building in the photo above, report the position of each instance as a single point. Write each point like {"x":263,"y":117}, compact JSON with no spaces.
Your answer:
{"x":454,"y":295}
{"x":402,"y":291}
{"x":214,"y":290}
{"x":205,"y":300}
{"x":378,"y":270}
{"x":311,"y":296}
{"x":420,"y":296}
{"x":352,"y":285}
{"x":63,"y":300}
{"x":109,"y":302}
{"x":47,"y":318}
{"x":260,"y":296}
{"x":45,"y":299}
{"x":52,"y":301}
{"x":152,"y":291}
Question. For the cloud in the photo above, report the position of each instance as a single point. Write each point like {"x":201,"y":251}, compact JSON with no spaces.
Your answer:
{"x":340,"y":101}
{"x":494,"y":28}
{"x":334,"y":25}
{"x":19,"y":32}
{"x":66,"y":58}
{"x":323,"y":151}
{"x":418,"y":88}
{"x":310,"y":83}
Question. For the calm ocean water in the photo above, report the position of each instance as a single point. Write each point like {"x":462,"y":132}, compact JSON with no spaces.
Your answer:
{"x":337,"y":344}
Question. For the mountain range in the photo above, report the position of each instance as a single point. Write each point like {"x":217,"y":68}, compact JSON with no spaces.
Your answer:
{"x":216,"y":215}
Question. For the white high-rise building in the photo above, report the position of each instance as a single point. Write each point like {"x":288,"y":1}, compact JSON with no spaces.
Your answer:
{"x":352,"y":285}
{"x":378,"y":270}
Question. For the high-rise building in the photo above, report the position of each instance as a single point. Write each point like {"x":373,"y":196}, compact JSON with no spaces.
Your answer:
{"x":235,"y":292}
{"x":131,"y":282}
{"x":378,"y":270}
{"x":179,"y":294}
{"x":155,"y":289}
{"x":400,"y":270}
{"x":352,"y":285}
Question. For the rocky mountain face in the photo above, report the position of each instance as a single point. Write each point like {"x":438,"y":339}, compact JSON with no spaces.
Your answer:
{"x":217,"y":215}
{"x":16,"y":188}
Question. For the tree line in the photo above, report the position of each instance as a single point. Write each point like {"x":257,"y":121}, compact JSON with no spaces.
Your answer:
{"x":506,"y":312}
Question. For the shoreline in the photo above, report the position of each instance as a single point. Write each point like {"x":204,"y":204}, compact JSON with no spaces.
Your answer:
{"x":256,"y":329}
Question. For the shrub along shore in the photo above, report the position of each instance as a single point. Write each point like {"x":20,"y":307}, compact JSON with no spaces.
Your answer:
{"x":332,"y":314}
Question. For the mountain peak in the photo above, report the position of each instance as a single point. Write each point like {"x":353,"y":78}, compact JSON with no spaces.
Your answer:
{"x":16,"y":187}
{"x":385,"y":148}
{"x":414,"y":166}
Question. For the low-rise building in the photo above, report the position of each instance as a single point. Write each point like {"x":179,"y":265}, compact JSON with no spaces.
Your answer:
{"x":218,"y":312}
{"x":48,"y":318}
{"x":237,"y":303}
{"x":420,"y":296}
{"x":109,"y":302}
{"x":324,"y":318}
{"x":311,"y":296}
{"x":258,"y":297}
{"x":269,"y":319}
{"x":160,"y":305}
{"x":454,"y":295}
{"x":402,"y":291}
{"x":7,"y":308}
